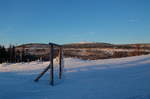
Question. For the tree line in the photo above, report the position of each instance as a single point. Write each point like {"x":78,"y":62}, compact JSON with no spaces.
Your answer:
{"x":11,"y":55}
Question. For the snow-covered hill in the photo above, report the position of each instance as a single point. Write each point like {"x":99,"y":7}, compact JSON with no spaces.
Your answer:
{"x":122,"y":78}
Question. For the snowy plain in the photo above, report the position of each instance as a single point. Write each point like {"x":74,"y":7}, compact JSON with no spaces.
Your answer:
{"x":122,"y":78}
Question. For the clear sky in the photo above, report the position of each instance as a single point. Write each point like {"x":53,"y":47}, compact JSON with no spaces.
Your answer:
{"x":67,"y":21}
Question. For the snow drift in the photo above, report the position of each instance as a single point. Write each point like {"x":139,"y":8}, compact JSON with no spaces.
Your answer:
{"x":124,"y":78}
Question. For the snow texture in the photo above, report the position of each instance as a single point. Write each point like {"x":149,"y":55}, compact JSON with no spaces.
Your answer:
{"x":122,"y":78}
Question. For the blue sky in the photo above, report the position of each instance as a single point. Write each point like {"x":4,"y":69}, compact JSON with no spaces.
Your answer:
{"x":67,"y":21}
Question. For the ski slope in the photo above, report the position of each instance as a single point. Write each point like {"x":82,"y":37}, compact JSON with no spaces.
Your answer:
{"x":122,"y":78}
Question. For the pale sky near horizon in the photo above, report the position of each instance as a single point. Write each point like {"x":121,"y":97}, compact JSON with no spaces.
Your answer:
{"x":67,"y":21}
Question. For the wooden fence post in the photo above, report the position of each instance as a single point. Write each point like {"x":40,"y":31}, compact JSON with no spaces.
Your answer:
{"x":51,"y":66}
{"x":60,"y":63}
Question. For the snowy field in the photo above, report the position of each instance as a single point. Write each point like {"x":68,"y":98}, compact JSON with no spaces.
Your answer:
{"x":124,"y":78}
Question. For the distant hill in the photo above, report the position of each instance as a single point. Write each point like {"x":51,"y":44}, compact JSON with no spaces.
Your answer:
{"x":33,"y":45}
{"x":88,"y":50}
{"x":141,"y":45}
{"x":86,"y":45}
{"x":34,"y":48}
{"x":105,"y":45}
{"x":72,"y":45}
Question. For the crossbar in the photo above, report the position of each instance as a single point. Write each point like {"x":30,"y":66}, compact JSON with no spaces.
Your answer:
{"x":55,"y":44}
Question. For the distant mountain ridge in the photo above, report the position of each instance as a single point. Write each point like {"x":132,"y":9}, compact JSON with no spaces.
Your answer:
{"x":40,"y":45}
{"x":87,"y":45}
{"x":88,"y":50}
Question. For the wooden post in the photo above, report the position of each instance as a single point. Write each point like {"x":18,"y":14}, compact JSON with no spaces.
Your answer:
{"x":51,"y":66}
{"x":60,"y":63}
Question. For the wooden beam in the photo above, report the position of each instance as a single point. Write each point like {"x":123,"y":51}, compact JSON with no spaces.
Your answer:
{"x":60,"y":63}
{"x":55,"y":44}
{"x":42,"y":73}
{"x":51,"y":67}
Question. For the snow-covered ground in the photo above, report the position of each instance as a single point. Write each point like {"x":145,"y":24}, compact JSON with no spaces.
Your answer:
{"x":124,"y":78}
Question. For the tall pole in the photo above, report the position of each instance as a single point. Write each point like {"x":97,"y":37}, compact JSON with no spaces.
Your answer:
{"x":51,"y":66}
{"x":60,"y":63}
